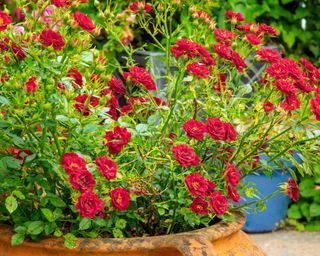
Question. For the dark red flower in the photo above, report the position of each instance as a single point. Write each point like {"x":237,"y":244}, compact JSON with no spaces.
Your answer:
{"x":81,"y":102}
{"x":72,"y":163}
{"x":49,"y":37}
{"x":248,"y":28}
{"x":196,"y":184}
{"x":211,"y":186}
{"x":18,"y":14}
{"x":223,"y":35}
{"x":82,"y":180}
{"x":199,"y":206}
{"x":277,"y":70}
{"x":291,"y":102}
{"x":205,"y":56}
{"x":232,"y":175}
{"x":221,"y":85}
{"x":17,"y":51}
{"x":5,"y":20}
{"x":268,"y":106}
{"x":117,"y":139}
{"x":31,"y":85}
{"x":198,"y":69}
{"x":253,"y":39}
{"x":269,"y":55}
{"x":233,"y":194}
{"x":219,"y":130}
{"x":61,"y":3}
{"x":293,"y":189}
{"x":185,"y":155}
{"x":120,"y":199}
{"x":140,"y":76}
{"x":20,"y":154}
{"x":76,"y":75}
{"x":116,"y":86}
{"x":218,"y":203}
{"x":293,"y":68}
{"x":194,"y":129}
{"x":264,"y":28}
{"x":234,"y":17}
{"x":89,"y":204}
{"x":137,"y":6}
{"x":310,"y":68}
{"x":106,"y":167}
{"x":159,"y":102}
{"x":315,"y":106}
{"x":230,"y":132}
{"x":4,"y":44}
{"x":223,"y":51}
{"x":84,"y":21}
{"x":286,"y":87}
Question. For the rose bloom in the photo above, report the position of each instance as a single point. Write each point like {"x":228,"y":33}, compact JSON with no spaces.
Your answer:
{"x":194,"y":129}
{"x":253,"y":39}
{"x":315,"y":106}
{"x":196,"y":184}
{"x":18,"y":14}
{"x":293,"y":189}
{"x":224,"y":35}
{"x":140,"y":76}
{"x":31,"y":85}
{"x":291,"y":102}
{"x":72,"y":162}
{"x":137,"y":6}
{"x":61,"y":3}
{"x":219,"y":130}
{"x":76,"y":75}
{"x":84,"y":21}
{"x":20,"y":154}
{"x":199,"y":206}
{"x":277,"y":70}
{"x":49,"y":37}
{"x":211,"y":186}
{"x":117,"y":139}
{"x":89,"y":204}
{"x":223,"y":51}
{"x":268,"y":106}
{"x":286,"y":87}
{"x":268,"y":55}
{"x":264,"y":28}
{"x":233,"y":194}
{"x":234,"y":17}
{"x":232,"y":175}
{"x":106,"y":167}
{"x":120,"y":199}
{"x":5,"y":20}
{"x":82,"y":180}
{"x":116,"y":86}
{"x":17,"y":51}
{"x":81,"y":99}
{"x":185,"y":155}
{"x":218,"y":203}
{"x":198,"y":69}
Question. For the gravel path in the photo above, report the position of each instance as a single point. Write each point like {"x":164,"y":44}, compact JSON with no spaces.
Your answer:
{"x":289,"y":243}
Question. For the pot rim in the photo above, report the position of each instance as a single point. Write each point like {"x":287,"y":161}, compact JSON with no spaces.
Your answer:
{"x":219,"y":230}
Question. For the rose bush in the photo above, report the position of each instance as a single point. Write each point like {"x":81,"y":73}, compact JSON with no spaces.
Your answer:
{"x":75,"y":162}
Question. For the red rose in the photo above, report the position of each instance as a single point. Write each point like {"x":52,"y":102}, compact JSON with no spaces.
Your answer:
{"x":224,"y":35}
{"x":268,"y":55}
{"x":293,"y":190}
{"x":253,"y":39}
{"x":211,"y":186}
{"x":159,"y":102}
{"x":220,"y":131}
{"x":197,"y":185}
{"x":219,"y":203}
{"x":232,"y":175}
{"x":116,"y":86}
{"x":231,"y":134}
{"x":198,"y":69}
{"x":17,"y":51}
{"x":268,"y":106}
{"x":18,"y":14}
{"x":234,"y":17}
{"x":106,"y":167}
{"x":315,"y":106}
{"x":20,"y":154}
{"x":49,"y":37}
{"x":82,"y":180}
{"x":31,"y":85}
{"x":76,"y":75}
{"x":72,"y":162}
{"x":89,"y":204}
{"x":223,"y":51}
{"x":233,"y":194}
{"x":137,"y":6}
{"x":277,"y":70}
{"x":117,"y":139}
{"x":238,"y":61}
{"x":120,"y":199}
{"x":81,"y":100}
{"x":140,"y":76}
{"x":60,"y":3}
{"x":4,"y":44}
{"x":286,"y":87}
{"x":199,"y":206}
{"x":5,"y":20}
{"x":185,"y":155}
{"x":84,"y":21}
{"x":264,"y":28}
{"x":194,"y":129}
{"x":291,"y":102}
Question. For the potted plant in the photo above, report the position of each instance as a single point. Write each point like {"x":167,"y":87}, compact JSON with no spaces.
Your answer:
{"x":78,"y":170}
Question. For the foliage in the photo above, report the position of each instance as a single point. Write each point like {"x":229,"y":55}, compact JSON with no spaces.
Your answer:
{"x":75,"y":163}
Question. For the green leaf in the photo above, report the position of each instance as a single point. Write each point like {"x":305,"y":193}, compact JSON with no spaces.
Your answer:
{"x":314,"y":210}
{"x":57,"y":202}
{"x":84,"y":224}
{"x":4,"y":100}
{"x":294,"y":212}
{"x":90,"y":128}
{"x":18,"y":194}
{"x":70,"y":241}
{"x":306,"y":187}
{"x":49,"y":228}
{"x":313,"y":226}
{"x":121,"y":224}
{"x":11,"y":204}
{"x":48,"y":214}
{"x":57,"y":213}
{"x":35,"y":228}
{"x":20,"y":229}
{"x":11,"y":162}
{"x":117,"y":233}
{"x":161,"y":211}
{"x":57,"y":233}
{"x":286,"y":1}
{"x":305,"y":209}
{"x":17,"y":239}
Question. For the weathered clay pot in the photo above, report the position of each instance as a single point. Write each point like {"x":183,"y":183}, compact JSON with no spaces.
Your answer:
{"x":224,"y":238}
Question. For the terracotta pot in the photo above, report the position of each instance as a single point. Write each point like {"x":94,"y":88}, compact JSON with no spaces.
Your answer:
{"x":223,"y":238}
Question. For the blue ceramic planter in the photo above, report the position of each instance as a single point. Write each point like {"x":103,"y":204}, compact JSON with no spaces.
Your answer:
{"x":277,"y":206}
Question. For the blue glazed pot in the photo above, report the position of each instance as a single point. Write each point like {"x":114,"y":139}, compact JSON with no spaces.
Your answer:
{"x":277,"y":206}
